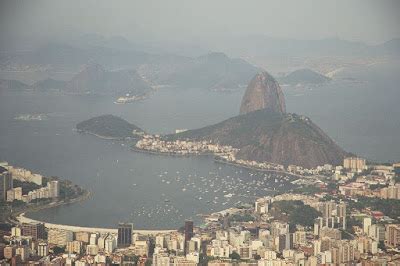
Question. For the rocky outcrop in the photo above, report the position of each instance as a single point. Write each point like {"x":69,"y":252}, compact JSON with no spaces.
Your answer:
{"x":265,"y":132}
{"x":263,"y":92}
{"x":265,"y":135}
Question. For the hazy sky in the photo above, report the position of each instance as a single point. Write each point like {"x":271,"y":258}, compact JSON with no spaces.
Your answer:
{"x":371,"y":21}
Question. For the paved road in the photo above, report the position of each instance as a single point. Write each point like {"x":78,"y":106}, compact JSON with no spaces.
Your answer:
{"x":22,"y":219}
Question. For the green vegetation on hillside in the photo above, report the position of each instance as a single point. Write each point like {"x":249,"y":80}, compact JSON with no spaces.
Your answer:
{"x":296,"y":211}
{"x":265,"y":135}
{"x":109,"y":126}
{"x":390,"y":207}
{"x":26,"y":186}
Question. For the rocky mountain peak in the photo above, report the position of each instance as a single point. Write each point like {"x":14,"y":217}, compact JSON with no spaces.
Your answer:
{"x":263,"y":92}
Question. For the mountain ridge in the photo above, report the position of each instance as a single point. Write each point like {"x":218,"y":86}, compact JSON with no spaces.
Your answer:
{"x":265,"y":135}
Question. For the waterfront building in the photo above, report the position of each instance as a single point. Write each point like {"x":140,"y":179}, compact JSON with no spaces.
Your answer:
{"x":25,"y":175}
{"x":34,"y":230}
{"x":54,"y":188}
{"x":124,"y":234}
{"x":59,"y":237}
{"x":93,"y":239}
{"x":101,"y":241}
{"x":17,"y":193}
{"x":188,"y":233}
{"x":6,"y":183}
{"x":82,"y":236}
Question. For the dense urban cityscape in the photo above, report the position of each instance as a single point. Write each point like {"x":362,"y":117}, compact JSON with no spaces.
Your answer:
{"x":346,"y":214}
{"x":183,"y":133}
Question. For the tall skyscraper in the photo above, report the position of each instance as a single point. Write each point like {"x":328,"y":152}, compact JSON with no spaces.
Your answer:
{"x":6,"y":183}
{"x":124,"y":234}
{"x":188,"y":232}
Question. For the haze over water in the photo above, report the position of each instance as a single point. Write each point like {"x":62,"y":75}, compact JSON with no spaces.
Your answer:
{"x":160,"y":191}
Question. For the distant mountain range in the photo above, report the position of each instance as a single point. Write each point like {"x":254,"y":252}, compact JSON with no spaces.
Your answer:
{"x":92,"y":79}
{"x":16,"y":85}
{"x":304,"y":77}
{"x":211,"y":71}
{"x":259,"y":45}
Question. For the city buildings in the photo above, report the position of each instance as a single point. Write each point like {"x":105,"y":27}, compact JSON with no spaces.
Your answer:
{"x":53,"y":188}
{"x":34,"y":230}
{"x":124,"y":235}
{"x":6,"y":183}
{"x":188,"y":233}
{"x":354,"y":164}
{"x":59,"y":237}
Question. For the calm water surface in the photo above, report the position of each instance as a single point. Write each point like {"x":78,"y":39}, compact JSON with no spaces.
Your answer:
{"x":161,"y":192}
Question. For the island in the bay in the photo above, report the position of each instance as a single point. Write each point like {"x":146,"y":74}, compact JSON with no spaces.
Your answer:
{"x":303,"y":76}
{"x":109,"y":127}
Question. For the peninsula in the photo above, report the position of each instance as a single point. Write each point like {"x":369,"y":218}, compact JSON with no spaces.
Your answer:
{"x":109,"y":127}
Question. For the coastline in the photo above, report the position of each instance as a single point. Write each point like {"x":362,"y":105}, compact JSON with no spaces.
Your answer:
{"x":23,"y":219}
{"x":27,"y":210}
{"x":99,"y":136}
{"x":134,"y":149}
{"x":256,"y":169}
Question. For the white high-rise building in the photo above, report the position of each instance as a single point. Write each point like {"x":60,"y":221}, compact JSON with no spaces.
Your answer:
{"x":43,"y":249}
{"x":16,"y":231}
{"x":367,"y":222}
{"x":93,"y":239}
{"x":110,"y":244}
{"x":54,"y":188}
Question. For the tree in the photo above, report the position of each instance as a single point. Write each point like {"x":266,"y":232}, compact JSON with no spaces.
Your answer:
{"x":58,"y":250}
{"x":234,"y":256}
{"x":381,"y":245}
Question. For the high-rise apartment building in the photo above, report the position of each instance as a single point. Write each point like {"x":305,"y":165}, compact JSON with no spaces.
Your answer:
{"x":6,"y":183}
{"x":124,"y":234}
{"x":188,"y":233}
{"x":354,"y":164}
{"x":393,"y":235}
{"x":54,"y":188}
{"x":35,"y":230}
{"x":59,"y":237}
